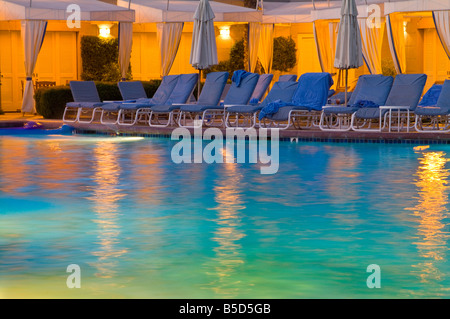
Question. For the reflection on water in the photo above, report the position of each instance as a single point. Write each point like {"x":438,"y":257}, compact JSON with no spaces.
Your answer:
{"x":431,"y":210}
{"x":105,"y":195}
{"x":229,"y":255}
{"x":14,"y":171}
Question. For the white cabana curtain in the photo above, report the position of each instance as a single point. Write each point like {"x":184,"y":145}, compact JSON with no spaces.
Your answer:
{"x":254,"y":34}
{"x":32,"y":33}
{"x":396,"y":37}
{"x":169,"y":38}
{"x":265,"y":47}
{"x":125,"y":45}
{"x":325,"y":35}
{"x":372,"y":41}
{"x":442,"y":23}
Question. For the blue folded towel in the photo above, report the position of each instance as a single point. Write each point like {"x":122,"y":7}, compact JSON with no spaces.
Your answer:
{"x":253,"y":101}
{"x":271,"y":108}
{"x":363,"y":103}
{"x":238,"y":76}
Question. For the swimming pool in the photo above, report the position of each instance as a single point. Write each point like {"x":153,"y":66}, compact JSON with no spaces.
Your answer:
{"x":140,"y":226}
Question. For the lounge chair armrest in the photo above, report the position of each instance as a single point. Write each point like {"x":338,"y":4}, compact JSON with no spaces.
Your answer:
{"x":229,"y":105}
{"x":395,"y":107}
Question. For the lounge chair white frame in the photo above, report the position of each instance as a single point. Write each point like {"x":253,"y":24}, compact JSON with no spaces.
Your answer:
{"x":435,"y":122}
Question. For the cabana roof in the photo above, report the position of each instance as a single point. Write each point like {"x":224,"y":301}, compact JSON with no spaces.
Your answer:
{"x":287,"y":12}
{"x":416,"y":6}
{"x":57,"y":10}
{"x":329,"y":10}
{"x":183,"y":11}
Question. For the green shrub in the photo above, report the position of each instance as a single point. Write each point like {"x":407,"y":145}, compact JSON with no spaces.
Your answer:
{"x":284,"y":54}
{"x":100,"y":59}
{"x":388,"y":67}
{"x":51,"y":102}
{"x":150,"y":87}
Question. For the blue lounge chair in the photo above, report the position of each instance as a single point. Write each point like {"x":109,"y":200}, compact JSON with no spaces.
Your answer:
{"x":287,"y":77}
{"x":373,"y":88}
{"x":305,"y":106}
{"x":211,"y":92}
{"x":86,"y":102}
{"x":131,"y":113}
{"x":111,"y":111}
{"x":261,"y":88}
{"x":402,"y":100}
{"x":240,"y":92}
{"x":438,"y":115}
{"x":281,"y":91}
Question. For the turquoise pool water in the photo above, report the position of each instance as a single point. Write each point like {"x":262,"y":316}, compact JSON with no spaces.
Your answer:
{"x":140,"y":226}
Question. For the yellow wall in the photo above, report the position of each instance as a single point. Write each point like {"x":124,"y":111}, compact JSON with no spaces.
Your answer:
{"x":423,"y":50}
{"x":145,"y":55}
{"x":59,"y":59}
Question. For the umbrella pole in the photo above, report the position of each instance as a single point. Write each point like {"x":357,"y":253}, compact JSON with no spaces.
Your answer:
{"x":198,"y":84}
{"x":346,"y":85}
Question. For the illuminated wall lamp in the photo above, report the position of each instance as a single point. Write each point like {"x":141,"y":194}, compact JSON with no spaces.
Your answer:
{"x":104,"y":30}
{"x":224,"y":32}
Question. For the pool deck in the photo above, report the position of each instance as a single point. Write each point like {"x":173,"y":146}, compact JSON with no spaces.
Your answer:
{"x":17,"y":120}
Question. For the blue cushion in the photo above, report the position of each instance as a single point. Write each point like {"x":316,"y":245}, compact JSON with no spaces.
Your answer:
{"x":241,"y":94}
{"x":164,"y":90}
{"x":213,"y":87}
{"x":375,"y":88}
{"x":262,"y":86}
{"x":165,"y":108}
{"x":84,"y":91}
{"x":287,"y":78}
{"x":244,"y":108}
{"x":131,"y":90}
{"x":340,"y":110}
{"x":406,"y":90}
{"x":431,"y":96}
{"x":200,"y":108}
{"x":86,"y":105}
{"x":183,"y":89}
{"x":444,"y":98}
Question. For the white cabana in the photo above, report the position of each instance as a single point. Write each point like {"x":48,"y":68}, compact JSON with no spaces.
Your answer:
{"x":372,"y":32}
{"x":34,"y":21}
{"x":183,"y":11}
{"x":416,"y":6}
{"x":91,"y":10}
{"x":170,"y":15}
{"x":439,"y":8}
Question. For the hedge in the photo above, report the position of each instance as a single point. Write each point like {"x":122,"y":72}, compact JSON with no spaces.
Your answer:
{"x":99,"y":59}
{"x":51,"y":102}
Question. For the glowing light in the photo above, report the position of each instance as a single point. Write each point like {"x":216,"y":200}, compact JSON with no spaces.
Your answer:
{"x":104,"y":30}
{"x":224,"y":32}
{"x":431,"y":212}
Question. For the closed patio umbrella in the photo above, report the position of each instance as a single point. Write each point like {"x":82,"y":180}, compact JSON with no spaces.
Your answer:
{"x":203,"y":50}
{"x":348,"y":47}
